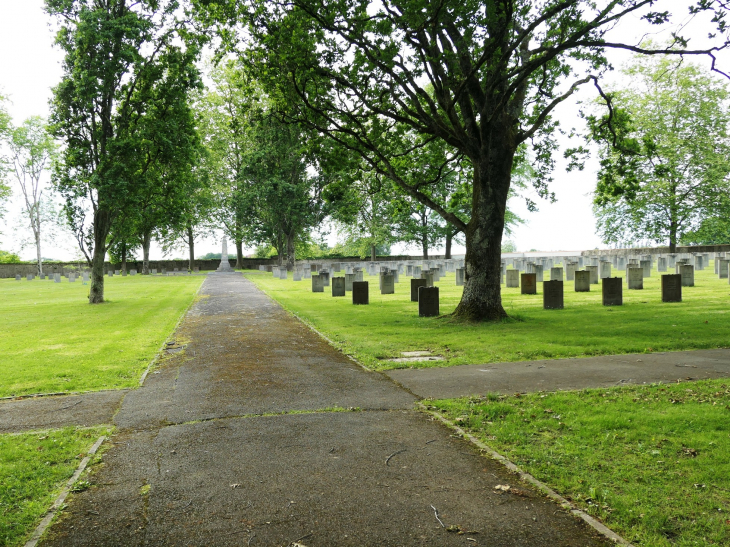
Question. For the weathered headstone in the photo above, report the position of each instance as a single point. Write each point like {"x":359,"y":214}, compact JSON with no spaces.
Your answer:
{"x":338,"y":286}
{"x":552,"y":295}
{"x":428,"y":301}
{"x":556,"y":273}
{"x":388,"y":284}
{"x":29,"y":277}
{"x":538,"y":271}
{"x":460,"y":277}
{"x":661,"y":264}
{"x":688,"y":275}
{"x":722,"y":268}
{"x":635,"y":277}
{"x":360,"y":292}
{"x":672,"y":288}
{"x":297,"y":275}
{"x":428,"y":276}
{"x":582,"y":281}
{"x":317,"y":283}
{"x":85,"y":277}
{"x":17,"y":277}
{"x":528,"y":283}
{"x":325,"y":278}
{"x":72,"y":278}
{"x":593,"y":271}
{"x":132,"y":272}
{"x":57,"y":278}
{"x":43,"y":276}
{"x":612,"y":290}
{"x":415,"y":285}
{"x":646,"y":266}
{"x":604,"y":269}
{"x":513,"y":278}
{"x":570,"y":269}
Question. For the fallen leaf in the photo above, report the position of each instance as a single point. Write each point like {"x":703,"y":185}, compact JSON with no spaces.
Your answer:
{"x":235,"y":485}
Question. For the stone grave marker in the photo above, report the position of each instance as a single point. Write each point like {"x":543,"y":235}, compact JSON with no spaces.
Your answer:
{"x":349,"y":280}
{"x":459,"y":277}
{"x":307,"y":273}
{"x":688,"y":275}
{"x":388,"y":284}
{"x":722,"y":268}
{"x":325,"y":278}
{"x":699,"y":262}
{"x":57,"y":277}
{"x":417,"y":271}
{"x":582,"y":281}
{"x":570,"y":269}
{"x":635,"y":278}
{"x":646,"y":266}
{"x":513,"y":278}
{"x":336,"y":267}
{"x":538,"y":271}
{"x":556,"y":273}
{"x":428,"y":276}
{"x":317,"y":283}
{"x":85,"y":277}
{"x":612,"y":290}
{"x":672,"y":288}
{"x":17,"y":277}
{"x":360,"y":293}
{"x":338,"y":286}
{"x":528,"y":283}
{"x":297,"y":275}
{"x":415,"y":285}
{"x":604,"y":269}
{"x":111,"y":273}
{"x":132,"y":272}
{"x":71,"y":277}
{"x":552,"y":295}
{"x":593,"y":271}
{"x":43,"y":276}
{"x":661,"y":264}
{"x":29,"y":277}
{"x":359,"y":276}
{"x":428,"y":301}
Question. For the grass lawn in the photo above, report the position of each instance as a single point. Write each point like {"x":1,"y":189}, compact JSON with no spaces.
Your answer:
{"x":33,"y":468}
{"x":54,"y":341}
{"x":390,"y":324}
{"x":652,"y":462}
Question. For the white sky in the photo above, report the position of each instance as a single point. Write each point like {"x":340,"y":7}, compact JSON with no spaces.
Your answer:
{"x":30,"y":67}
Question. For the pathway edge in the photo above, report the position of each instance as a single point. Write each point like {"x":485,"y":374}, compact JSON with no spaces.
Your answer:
{"x":544,"y":488}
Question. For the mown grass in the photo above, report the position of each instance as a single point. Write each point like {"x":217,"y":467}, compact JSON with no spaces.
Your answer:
{"x":34,"y":467}
{"x":652,"y":462}
{"x":54,"y":341}
{"x":390,"y":324}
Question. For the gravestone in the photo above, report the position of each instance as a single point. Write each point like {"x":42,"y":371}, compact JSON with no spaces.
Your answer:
{"x":459,"y":277}
{"x":360,"y":292}
{"x":118,"y":272}
{"x":635,"y":278}
{"x":409,"y":270}
{"x":297,"y":275}
{"x":661,"y":264}
{"x":85,"y":277}
{"x":646,"y":266}
{"x":612,"y":291}
{"x":313,"y":268}
{"x":722,"y":268}
{"x":672,"y":288}
{"x":604,"y":269}
{"x":593,"y":271}
{"x":17,"y":277}
{"x":582,"y":281}
{"x":388,"y":284}
{"x":513,"y":278}
{"x":556,"y":274}
{"x":699,"y":262}
{"x":307,"y":273}
{"x":528,"y":283}
{"x":338,"y":286}
{"x":417,"y":271}
{"x":325,"y":275}
{"x":428,"y":301}
{"x":132,"y":272}
{"x":283,"y":274}
{"x":43,"y":276}
{"x":671,"y":261}
{"x":538,"y":271}
{"x":29,"y":277}
{"x":57,"y":278}
{"x":570,"y":269}
{"x":688,"y":275}
{"x":428,"y":276}
{"x":317,"y":283}
{"x":621,"y":263}
{"x":552,"y":295}
{"x":359,"y":276}
{"x":71,"y":278}
{"x":415,"y":285}
{"x":336,"y":267}
{"x":349,"y":280}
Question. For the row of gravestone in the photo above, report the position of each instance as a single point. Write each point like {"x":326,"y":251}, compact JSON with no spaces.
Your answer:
{"x":153,"y":271}
{"x":71,"y":276}
{"x":611,"y":289}
{"x":590,"y":276}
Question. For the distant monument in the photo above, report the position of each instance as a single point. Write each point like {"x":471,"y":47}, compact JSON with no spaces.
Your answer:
{"x":224,"y":266}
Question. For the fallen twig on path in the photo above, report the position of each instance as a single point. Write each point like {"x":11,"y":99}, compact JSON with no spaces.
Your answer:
{"x":436,"y":514}
{"x":394,"y":454}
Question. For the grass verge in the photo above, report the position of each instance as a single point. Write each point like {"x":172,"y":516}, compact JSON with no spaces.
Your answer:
{"x":652,"y":462}
{"x":55,"y":341}
{"x":390,"y":324}
{"x":34,"y":467}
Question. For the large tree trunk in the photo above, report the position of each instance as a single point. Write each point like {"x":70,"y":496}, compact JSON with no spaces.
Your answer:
{"x":191,"y":248}
{"x":124,"y":258}
{"x":424,"y":246}
{"x":239,"y":254}
{"x":482,"y":298}
{"x":449,"y":237}
{"x":373,"y":255}
{"x":673,"y":237}
{"x":102,"y":224}
{"x":291,"y":255}
{"x":37,"y":235}
{"x":146,"y":242}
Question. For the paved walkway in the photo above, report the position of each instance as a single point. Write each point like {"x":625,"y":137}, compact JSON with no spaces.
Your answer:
{"x":236,"y":441}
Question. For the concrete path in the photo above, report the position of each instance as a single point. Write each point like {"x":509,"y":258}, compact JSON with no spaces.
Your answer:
{"x":564,"y":374}
{"x":261,"y":434}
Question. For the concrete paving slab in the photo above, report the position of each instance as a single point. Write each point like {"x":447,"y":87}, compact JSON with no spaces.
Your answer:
{"x":246,"y":355}
{"x":86,"y":409}
{"x":269,"y":481}
{"x":564,"y":374}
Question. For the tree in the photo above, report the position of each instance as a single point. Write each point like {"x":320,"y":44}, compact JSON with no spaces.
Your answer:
{"x":31,"y":152}
{"x":5,"y":124}
{"x":364,"y":71}
{"x":127,"y":64}
{"x":665,"y":163}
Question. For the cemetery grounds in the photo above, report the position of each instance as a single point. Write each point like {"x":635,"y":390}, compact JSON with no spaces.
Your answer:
{"x":652,"y":462}
{"x":53,"y":341}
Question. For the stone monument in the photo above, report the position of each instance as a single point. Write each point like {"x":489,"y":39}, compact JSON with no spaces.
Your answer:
{"x":224,"y":266}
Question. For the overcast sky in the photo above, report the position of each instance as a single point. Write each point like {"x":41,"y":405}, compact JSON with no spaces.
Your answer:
{"x":30,"y":67}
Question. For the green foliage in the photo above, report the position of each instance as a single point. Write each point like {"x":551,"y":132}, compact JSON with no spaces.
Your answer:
{"x":509,"y":247}
{"x":652,"y":462}
{"x":43,"y":349}
{"x":5,"y":125}
{"x":34,"y":466}
{"x":665,"y":155}
{"x":9,"y":258}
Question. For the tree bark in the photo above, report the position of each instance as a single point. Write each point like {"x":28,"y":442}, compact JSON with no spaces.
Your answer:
{"x":239,"y":254}
{"x":424,"y":246}
{"x":124,"y":258}
{"x":38,"y":251}
{"x":673,"y":237}
{"x":146,"y":242}
{"x":482,"y":299}
{"x":102,"y":225}
{"x":373,"y":255}
{"x":191,"y":248}
{"x":290,"y":252}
